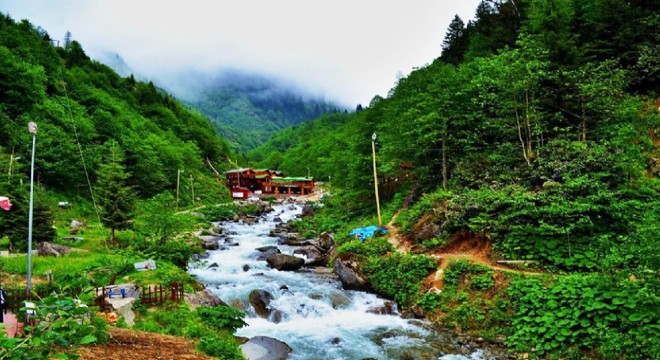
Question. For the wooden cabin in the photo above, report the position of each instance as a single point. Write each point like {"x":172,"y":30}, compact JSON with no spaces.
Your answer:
{"x":243,"y":177}
{"x":293,"y":185}
{"x":263,"y":181}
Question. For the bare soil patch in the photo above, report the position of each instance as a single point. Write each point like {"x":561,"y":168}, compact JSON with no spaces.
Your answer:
{"x":140,"y":345}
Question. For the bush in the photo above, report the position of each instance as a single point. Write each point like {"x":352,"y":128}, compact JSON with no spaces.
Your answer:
{"x":220,"y":347}
{"x":367,"y":248}
{"x":222,"y":317}
{"x":60,"y":325}
{"x":399,"y":276}
{"x":581,"y":313}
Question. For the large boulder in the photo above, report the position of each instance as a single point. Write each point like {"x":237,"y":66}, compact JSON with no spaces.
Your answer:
{"x":285,"y":262}
{"x":326,"y":241}
{"x":203,"y":298}
{"x":425,"y":229}
{"x":351,"y":276}
{"x":265,"y":348}
{"x":260,"y":299}
{"x":50,"y":249}
{"x":313,"y":255}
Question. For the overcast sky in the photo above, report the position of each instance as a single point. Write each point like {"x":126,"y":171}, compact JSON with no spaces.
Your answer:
{"x":346,"y":50}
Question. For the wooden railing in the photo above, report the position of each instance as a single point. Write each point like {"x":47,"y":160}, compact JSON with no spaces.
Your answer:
{"x":149,"y":295}
{"x":157,"y":294}
{"x":16,"y":297}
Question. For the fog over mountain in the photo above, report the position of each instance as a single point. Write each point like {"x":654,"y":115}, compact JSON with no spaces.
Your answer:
{"x":347,"y":51}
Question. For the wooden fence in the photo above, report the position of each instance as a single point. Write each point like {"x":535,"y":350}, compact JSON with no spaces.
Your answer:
{"x":16,"y":297}
{"x":157,"y":294}
{"x":149,"y":295}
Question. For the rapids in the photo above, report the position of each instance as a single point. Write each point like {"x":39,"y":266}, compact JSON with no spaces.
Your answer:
{"x":317,"y":318}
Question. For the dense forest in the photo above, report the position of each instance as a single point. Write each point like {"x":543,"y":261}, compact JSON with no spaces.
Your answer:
{"x":89,"y":118}
{"x":534,"y":131}
{"x":533,"y":136}
{"x":246,"y":109}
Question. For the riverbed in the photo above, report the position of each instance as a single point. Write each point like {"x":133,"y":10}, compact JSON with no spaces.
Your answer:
{"x":310,"y":310}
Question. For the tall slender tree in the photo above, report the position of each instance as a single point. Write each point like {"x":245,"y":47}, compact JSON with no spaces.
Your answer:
{"x":116,"y":198}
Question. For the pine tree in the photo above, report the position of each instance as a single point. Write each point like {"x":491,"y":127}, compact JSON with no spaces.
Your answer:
{"x":115,"y":198}
{"x":455,"y":43}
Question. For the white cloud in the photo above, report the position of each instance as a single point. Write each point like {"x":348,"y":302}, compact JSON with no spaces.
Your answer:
{"x":349,"y":50}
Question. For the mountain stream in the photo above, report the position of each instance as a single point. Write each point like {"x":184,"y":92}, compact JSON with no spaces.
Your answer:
{"x":316,"y":317}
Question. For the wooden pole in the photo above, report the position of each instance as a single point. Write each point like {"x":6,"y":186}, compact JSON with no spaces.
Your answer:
{"x":178,"y":181}
{"x":192,"y":188}
{"x":373,"y":152}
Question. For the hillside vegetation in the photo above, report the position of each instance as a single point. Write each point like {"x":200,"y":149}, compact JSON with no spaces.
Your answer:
{"x":88,"y":119}
{"x":247,"y":109}
{"x":534,"y":132}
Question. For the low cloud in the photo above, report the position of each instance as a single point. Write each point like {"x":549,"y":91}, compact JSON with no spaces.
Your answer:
{"x":346,"y":51}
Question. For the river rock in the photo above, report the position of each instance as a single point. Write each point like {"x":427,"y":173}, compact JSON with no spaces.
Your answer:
{"x":388,"y":308}
{"x":351,"y":276}
{"x":308,"y":210}
{"x":339,"y":300}
{"x":285,"y":262}
{"x":210,"y":244}
{"x":314,"y":256}
{"x":265,"y":348}
{"x":326,"y":241}
{"x":259,"y":299}
{"x":267,"y":252}
{"x":49,"y":249}
{"x":203,"y":298}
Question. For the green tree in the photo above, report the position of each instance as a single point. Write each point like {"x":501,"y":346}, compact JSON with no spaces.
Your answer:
{"x":115,"y":198}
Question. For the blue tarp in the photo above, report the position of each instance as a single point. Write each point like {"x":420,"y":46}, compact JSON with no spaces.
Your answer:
{"x":367,"y":232}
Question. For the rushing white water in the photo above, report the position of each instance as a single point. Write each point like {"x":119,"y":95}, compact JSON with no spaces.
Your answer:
{"x":319,"y":319}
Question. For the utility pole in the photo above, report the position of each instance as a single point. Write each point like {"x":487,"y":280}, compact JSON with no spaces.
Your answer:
{"x":192,"y":188}
{"x":178,"y":182}
{"x":373,"y":152}
{"x":33,"y":130}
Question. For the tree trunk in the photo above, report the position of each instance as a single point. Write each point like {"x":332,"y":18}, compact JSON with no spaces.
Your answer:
{"x":444,"y":160}
{"x":520,"y":136}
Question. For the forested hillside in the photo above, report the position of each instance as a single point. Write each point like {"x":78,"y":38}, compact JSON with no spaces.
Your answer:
{"x":89,"y":117}
{"x":535,"y":131}
{"x":247,"y":109}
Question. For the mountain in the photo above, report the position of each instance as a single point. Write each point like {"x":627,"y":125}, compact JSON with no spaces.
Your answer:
{"x":247,"y":108}
{"x":83,"y":110}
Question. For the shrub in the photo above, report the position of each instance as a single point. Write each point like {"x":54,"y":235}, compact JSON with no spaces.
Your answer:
{"x":60,"y":324}
{"x":367,"y":248}
{"x":399,"y":276}
{"x":220,"y":347}
{"x":222,"y":317}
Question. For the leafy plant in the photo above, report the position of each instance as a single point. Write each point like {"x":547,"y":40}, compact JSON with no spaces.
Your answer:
{"x":222,"y":317}
{"x":399,"y":276}
{"x":59,"y":325}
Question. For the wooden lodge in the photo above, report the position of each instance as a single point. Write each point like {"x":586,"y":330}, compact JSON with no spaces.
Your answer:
{"x":265,"y":181}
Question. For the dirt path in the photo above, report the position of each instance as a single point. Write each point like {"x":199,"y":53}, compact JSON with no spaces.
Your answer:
{"x":139,"y":345}
{"x":397,"y":240}
{"x":475,"y":249}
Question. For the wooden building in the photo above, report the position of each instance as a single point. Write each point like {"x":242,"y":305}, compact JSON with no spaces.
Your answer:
{"x":265,"y":181}
{"x":243,"y":177}
{"x":240,"y":193}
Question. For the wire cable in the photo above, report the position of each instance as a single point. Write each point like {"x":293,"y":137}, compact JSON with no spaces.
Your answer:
{"x":82,"y":157}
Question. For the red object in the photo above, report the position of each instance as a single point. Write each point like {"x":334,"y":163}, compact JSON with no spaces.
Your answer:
{"x":5,"y":204}
{"x":240,"y":193}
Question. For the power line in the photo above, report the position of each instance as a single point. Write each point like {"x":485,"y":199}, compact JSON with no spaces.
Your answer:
{"x":82,"y":157}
